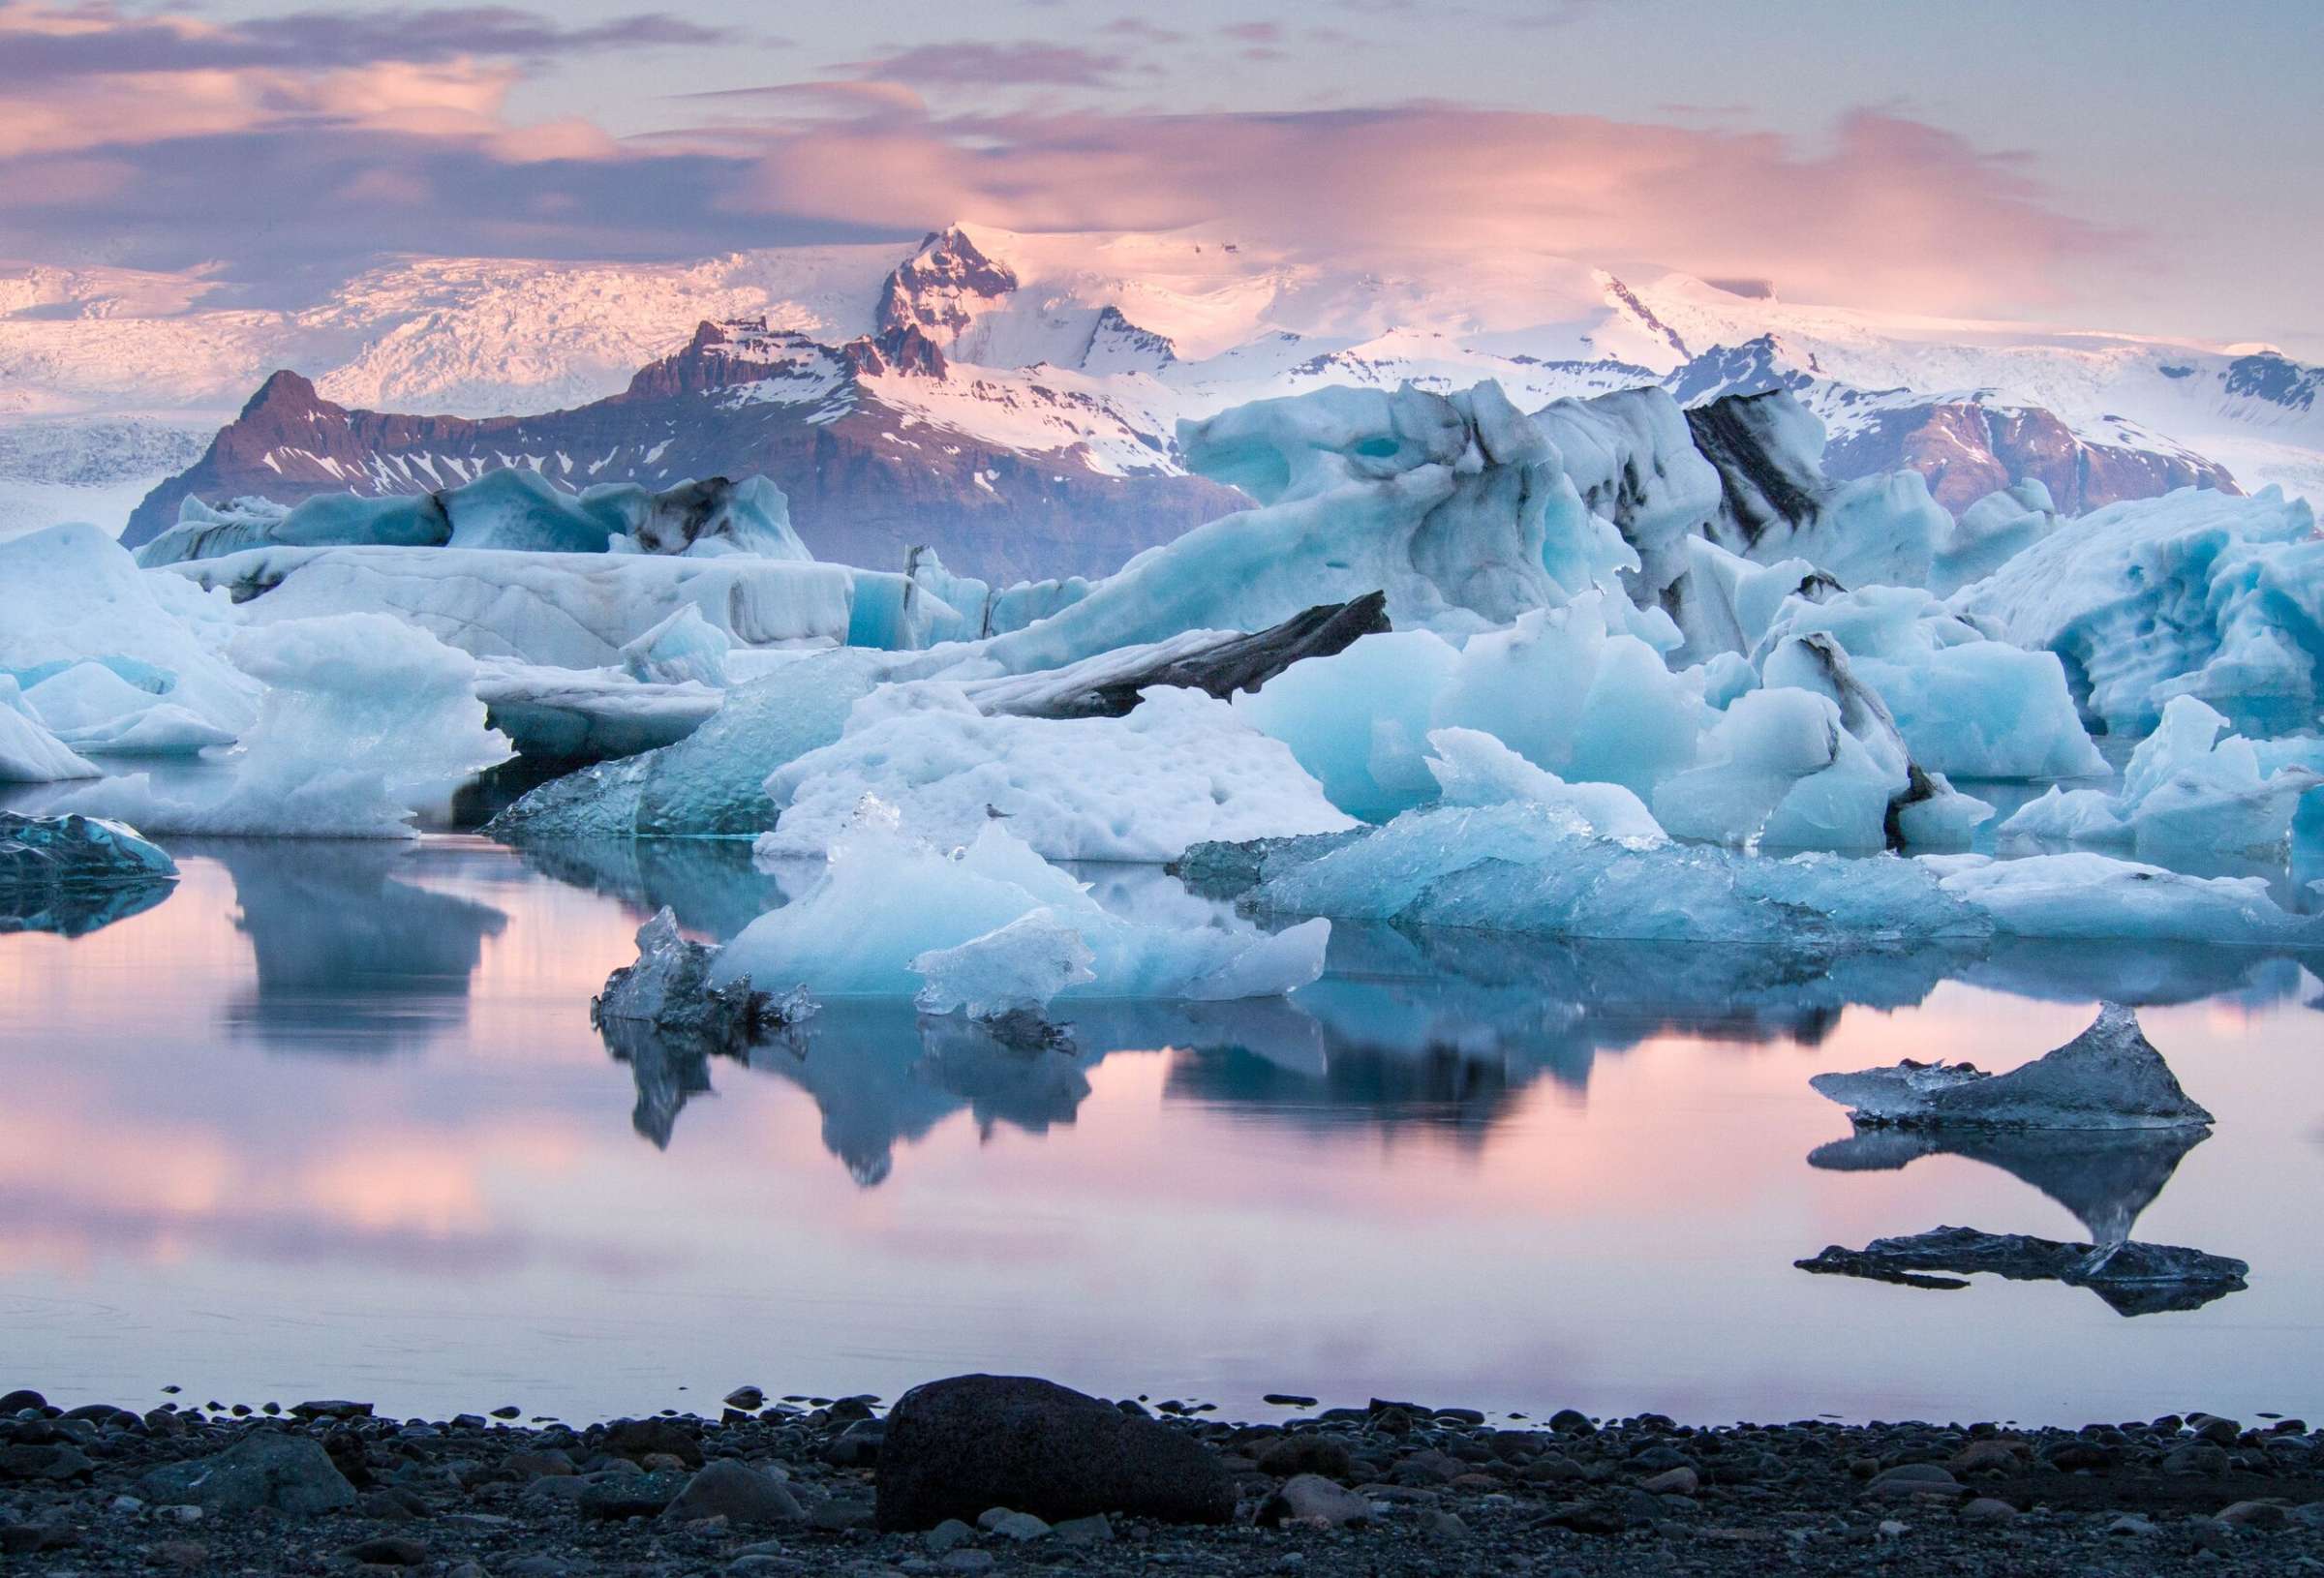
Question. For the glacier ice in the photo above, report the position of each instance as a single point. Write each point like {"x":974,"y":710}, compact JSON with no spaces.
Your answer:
{"x":2197,"y":594}
{"x":1966,"y":706}
{"x":127,"y":661}
{"x":366,"y":721}
{"x":683,"y":646}
{"x":566,"y":610}
{"x":1633,"y":458}
{"x":514,"y":508}
{"x":75,"y":851}
{"x":2186,"y":791}
{"x":2084,"y":895}
{"x":1991,"y":533}
{"x":564,"y":715}
{"x":2109,"y":1077}
{"x":991,"y":927}
{"x":1180,"y":769}
{"x":669,"y":988}
{"x":29,"y":754}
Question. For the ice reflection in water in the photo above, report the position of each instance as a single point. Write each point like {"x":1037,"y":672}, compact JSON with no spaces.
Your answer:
{"x":1464,"y":1168}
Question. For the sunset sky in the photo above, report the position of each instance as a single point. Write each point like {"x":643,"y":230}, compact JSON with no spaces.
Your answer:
{"x":2123,"y":164}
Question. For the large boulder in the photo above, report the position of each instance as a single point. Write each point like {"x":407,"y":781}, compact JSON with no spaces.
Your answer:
{"x":959,"y":1447}
{"x":265,"y":1469}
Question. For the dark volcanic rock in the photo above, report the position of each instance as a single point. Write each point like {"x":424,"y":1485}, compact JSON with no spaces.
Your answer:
{"x":637,"y":1438}
{"x":957,"y":1448}
{"x":1242,"y":662}
{"x":288,"y":1473}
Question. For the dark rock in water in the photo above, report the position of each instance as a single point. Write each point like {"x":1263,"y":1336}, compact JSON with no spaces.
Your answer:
{"x":2109,"y":1077}
{"x":1242,"y":662}
{"x":2105,"y":1176}
{"x":74,"y":874}
{"x":2133,"y":1278}
{"x":959,"y":1447}
{"x":332,"y":1407}
{"x":287,"y":1474}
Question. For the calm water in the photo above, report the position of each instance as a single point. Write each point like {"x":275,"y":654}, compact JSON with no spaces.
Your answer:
{"x":330,"y":1119}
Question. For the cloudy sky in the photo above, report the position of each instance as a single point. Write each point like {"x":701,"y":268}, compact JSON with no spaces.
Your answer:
{"x":2122,"y":164}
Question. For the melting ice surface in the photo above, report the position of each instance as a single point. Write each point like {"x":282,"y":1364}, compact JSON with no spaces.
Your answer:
{"x":333,"y":1119}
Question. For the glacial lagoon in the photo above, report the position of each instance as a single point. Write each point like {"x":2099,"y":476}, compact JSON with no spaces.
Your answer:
{"x":330,"y":1118}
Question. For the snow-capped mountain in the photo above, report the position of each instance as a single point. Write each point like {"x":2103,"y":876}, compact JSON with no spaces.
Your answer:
{"x":1078,"y":353}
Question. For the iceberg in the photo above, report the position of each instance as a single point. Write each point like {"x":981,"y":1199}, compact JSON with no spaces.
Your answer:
{"x":2084,"y":894}
{"x":111,"y":658}
{"x":683,"y":646}
{"x":668,"y":988}
{"x":2197,"y":594}
{"x":2186,"y":792}
{"x":29,"y":752}
{"x":1776,"y":502}
{"x":514,"y":508}
{"x":2109,"y":1077}
{"x":563,"y":610}
{"x":2133,"y":1278}
{"x":990,"y":927}
{"x":570,"y":716}
{"x":1966,"y":706}
{"x":366,"y":721}
{"x":74,"y":874}
{"x":1631,"y":456}
{"x":1181,"y":768}
{"x":1991,"y":533}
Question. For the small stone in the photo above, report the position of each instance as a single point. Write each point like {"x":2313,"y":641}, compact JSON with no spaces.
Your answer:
{"x":1988,"y":1509}
{"x":947,"y":1536}
{"x":966,"y":1561}
{"x":1985,"y":1456}
{"x":1315,"y":1502}
{"x":2262,"y":1515}
{"x":1009,"y":1524}
{"x":2196,"y":1457}
{"x":1305,"y":1453}
{"x":1442,"y":1525}
{"x":1890,"y":1528}
{"x":2132,"y":1526}
{"x":2219,"y":1432}
{"x":1094,"y":1530}
{"x":749,"y":1399}
{"x":22,"y":1398}
{"x":737,"y":1492}
{"x":332,"y":1409}
{"x":508,"y":1410}
{"x":1681,"y":1481}
{"x":265,"y":1469}
{"x":639,"y":1438}
{"x":1572,"y":1422}
{"x":857,"y":1445}
{"x":630,"y":1495}
{"x":387,"y":1551}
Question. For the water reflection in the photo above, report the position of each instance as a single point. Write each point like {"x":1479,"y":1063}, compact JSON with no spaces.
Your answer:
{"x":75,"y":912}
{"x":2106,"y":1177}
{"x":349,"y":957}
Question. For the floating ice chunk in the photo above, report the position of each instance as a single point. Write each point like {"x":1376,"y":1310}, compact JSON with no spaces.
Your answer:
{"x":588,"y":714}
{"x":1475,"y":769}
{"x":1358,"y":719}
{"x":49,"y":853}
{"x":2084,"y":895}
{"x":1991,"y":533}
{"x":683,"y":646}
{"x":366,"y":721}
{"x":1964,"y":704}
{"x":76,"y":599}
{"x":92,"y":709}
{"x":2186,"y":791}
{"x":514,"y":508}
{"x":1182,"y":769}
{"x":29,"y":754}
{"x":2109,"y":1077}
{"x":2198,"y":593}
{"x":993,"y":927}
{"x":669,"y":988}
{"x":568,"y":610}
{"x":1763,"y":745}
{"x":2133,"y":1278}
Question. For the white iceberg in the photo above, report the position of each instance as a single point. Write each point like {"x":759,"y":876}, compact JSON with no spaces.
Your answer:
{"x":2197,"y":594}
{"x":123,"y":660}
{"x":2186,"y":791}
{"x":514,"y":508}
{"x":29,"y":754}
{"x":1178,"y":769}
{"x":992,"y":927}
{"x":365,"y":723}
{"x":1991,"y":533}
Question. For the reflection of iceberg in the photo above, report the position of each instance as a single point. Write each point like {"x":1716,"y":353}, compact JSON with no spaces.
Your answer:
{"x":711,"y":884}
{"x":73,"y":874}
{"x":2106,"y":1177}
{"x":349,"y":957}
{"x":2133,"y":1278}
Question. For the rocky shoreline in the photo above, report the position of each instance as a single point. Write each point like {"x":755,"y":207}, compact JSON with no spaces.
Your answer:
{"x":979,"y":1474}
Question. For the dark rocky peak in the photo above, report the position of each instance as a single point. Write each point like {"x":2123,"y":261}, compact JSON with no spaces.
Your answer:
{"x":1754,"y":367}
{"x":722,"y":355}
{"x":1118,"y":345}
{"x":905,"y":349}
{"x":1628,"y":300}
{"x":285,"y":396}
{"x":2276,"y":378}
{"x":939,"y":288}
